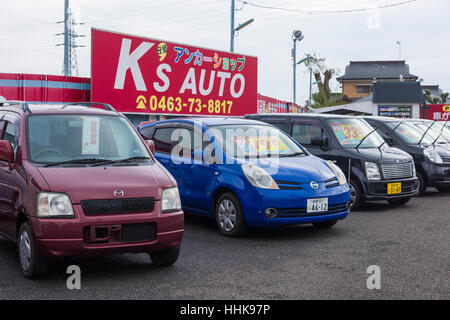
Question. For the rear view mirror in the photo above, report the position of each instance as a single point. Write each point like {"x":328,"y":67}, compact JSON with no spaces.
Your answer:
{"x":151,"y":146}
{"x":6,"y":151}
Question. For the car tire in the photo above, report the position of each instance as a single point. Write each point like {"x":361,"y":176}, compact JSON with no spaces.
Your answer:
{"x":229,"y":216}
{"x":165,"y":258}
{"x":355,"y":195}
{"x":422,"y":184}
{"x":31,"y":263}
{"x":443,"y":189}
{"x":324,"y":225}
{"x":399,"y":202}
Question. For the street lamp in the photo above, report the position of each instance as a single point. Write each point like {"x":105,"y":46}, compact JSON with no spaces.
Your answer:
{"x":238,"y":28}
{"x":296,"y":36}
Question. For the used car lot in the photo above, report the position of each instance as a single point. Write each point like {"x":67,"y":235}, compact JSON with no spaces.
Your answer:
{"x":410,"y":244}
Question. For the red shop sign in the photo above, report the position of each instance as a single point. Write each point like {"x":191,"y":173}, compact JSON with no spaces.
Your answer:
{"x":143,"y":75}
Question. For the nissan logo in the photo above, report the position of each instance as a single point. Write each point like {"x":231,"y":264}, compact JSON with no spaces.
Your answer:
{"x":314,"y":185}
{"x":119,"y":193}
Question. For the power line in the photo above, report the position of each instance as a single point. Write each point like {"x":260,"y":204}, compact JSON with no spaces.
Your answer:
{"x":300,"y":11}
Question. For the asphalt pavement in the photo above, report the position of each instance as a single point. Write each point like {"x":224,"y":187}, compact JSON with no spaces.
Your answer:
{"x":410,"y":245}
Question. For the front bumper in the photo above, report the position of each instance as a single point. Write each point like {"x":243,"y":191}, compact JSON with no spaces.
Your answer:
{"x":291,"y":205}
{"x":438,"y":175}
{"x":377,"y":190}
{"x":70,"y":237}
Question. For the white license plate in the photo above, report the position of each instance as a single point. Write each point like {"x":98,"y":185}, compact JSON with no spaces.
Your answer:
{"x":317,"y":205}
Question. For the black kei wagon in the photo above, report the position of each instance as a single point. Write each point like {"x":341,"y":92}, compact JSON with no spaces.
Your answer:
{"x":375,"y":170}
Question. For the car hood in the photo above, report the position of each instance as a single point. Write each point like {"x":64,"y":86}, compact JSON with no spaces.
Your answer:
{"x":298,"y":169}
{"x":380,"y":156}
{"x":88,"y":183}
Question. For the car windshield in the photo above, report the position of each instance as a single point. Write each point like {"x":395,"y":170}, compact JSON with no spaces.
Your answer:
{"x":409,"y":132}
{"x":56,"y":138}
{"x":350,"y":132}
{"x":444,"y":128}
{"x":433,"y":131}
{"x":254,"y":141}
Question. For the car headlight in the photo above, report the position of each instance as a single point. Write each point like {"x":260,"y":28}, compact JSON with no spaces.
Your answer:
{"x":258,"y":177}
{"x":372,"y":171}
{"x":338,"y":172}
{"x":433,"y":155}
{"x":170,"y":200}
{"x":54,"y":205}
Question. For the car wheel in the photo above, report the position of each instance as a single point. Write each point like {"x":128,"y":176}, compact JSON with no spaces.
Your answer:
{"x":422,"y":184}
{"x":355,"y":195}
{"x":229,"y":216}
{"x":443,"y":189}
{"x":165,"y":258}
{"x":399,"y":202}
{"x":324,"y":225}
{"x":32,"y":265}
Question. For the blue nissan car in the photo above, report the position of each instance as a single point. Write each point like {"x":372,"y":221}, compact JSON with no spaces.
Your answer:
{"x":247,"y":173}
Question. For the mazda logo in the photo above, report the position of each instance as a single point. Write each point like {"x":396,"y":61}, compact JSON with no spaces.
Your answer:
{"x":314,"y":185}
{"x":119,"y":193}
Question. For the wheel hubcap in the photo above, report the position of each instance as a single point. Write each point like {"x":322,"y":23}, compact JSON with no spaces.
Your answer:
{"x":227,"y":215}
{"x":25,"y":250}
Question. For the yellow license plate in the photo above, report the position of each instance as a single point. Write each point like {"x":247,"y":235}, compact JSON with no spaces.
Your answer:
{"x":393,"y":188}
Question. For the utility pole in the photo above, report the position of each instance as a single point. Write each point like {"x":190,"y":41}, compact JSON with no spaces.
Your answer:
{"x":296,"y":36}
{"x":66,"y":38}
{"x":310,"y":87}
{"x":70,"y":66}
{"x":232,"y":26}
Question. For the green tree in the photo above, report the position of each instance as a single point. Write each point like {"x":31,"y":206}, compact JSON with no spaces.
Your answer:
{"x":324,"y":97}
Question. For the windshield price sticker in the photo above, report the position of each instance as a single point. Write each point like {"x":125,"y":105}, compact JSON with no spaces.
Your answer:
{"x":256,"y":145}
{"x":347,"y":134}
{"x":90,"y":136}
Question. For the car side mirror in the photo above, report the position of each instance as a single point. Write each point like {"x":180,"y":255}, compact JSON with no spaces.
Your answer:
{"x":6,"y":151}
{"x":151,"y":146}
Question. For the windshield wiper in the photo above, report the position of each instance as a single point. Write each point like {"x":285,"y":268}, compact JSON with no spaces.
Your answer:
{"x":362,"y":140}
{"x":390,"y":133}
{"x":442,"y":131}
{"x":76,"y":161}
{"x":122,"y":160}
{"x":425,"y":133}
{"x":291,"y":155}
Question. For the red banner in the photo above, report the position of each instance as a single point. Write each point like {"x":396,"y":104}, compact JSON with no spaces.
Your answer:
{"x":438,"y":112}
{"x":143,"y":75}
{"x":271,"y":105}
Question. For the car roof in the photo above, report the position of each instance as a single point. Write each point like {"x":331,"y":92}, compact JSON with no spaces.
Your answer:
{"x":299,"y":115}
{"x":383,"y":119}
{"x":208,"y":121}
{"x":58,"y":109}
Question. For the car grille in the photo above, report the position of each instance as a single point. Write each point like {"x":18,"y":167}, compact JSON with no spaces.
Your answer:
{"x":301,"y":212}
{"x":397,"y":170}
{"x":137,"y":232}
{"x":111,"y":206}
{"x":446,"y":159}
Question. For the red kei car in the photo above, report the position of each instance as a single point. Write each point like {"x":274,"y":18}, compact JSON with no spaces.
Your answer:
{"x":77,"y":180}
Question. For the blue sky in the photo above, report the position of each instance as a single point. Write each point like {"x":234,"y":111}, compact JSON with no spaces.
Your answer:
{"x":28,"y":28}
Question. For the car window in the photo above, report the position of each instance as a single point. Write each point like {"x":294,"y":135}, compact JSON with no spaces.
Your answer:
{"x":163,"y":140}
{"x":53,"y":138}
{"x":9,"y":135}
{"x":303,"y":133}
{"x":147,"y":133}
{"x":285,"y":127}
